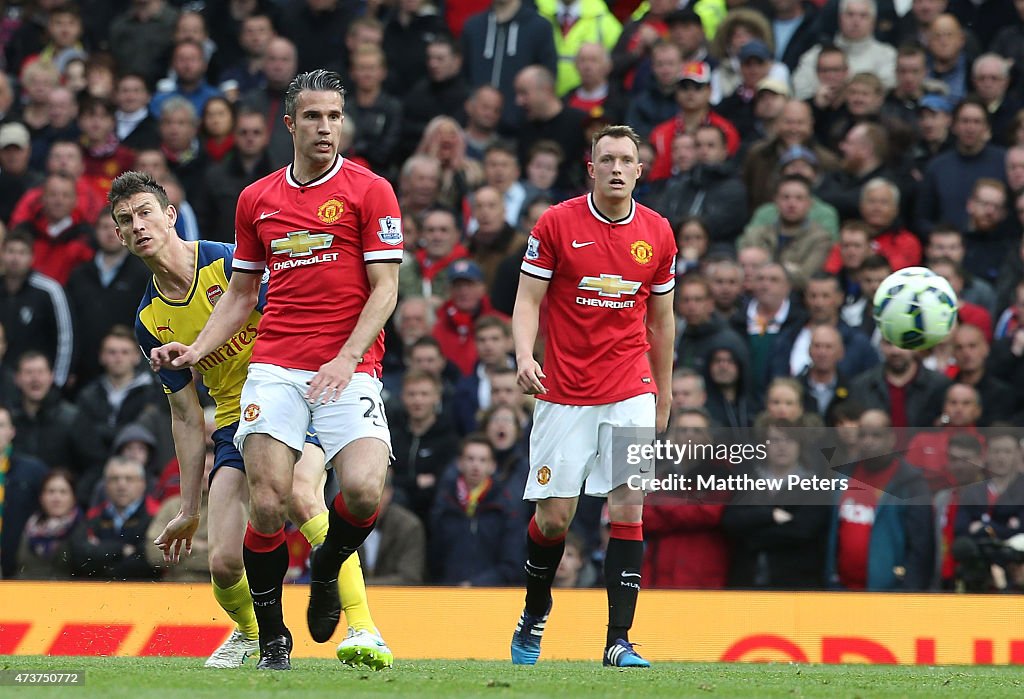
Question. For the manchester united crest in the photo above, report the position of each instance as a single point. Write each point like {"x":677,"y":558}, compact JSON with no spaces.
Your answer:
{"x":642,"y":252}
{"x":330,"y":211}
{"x":543,"y":475}
{"x":251,"y":412}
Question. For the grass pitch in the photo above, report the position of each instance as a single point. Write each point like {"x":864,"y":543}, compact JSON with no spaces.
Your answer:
{"x":168,"y":678}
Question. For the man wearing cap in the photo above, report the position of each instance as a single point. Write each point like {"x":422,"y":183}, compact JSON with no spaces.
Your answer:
{"x":693,"y":95}
{"x":801,"y":161}
{"x":794,"y":127}
{"x":15,"y":176}
{"x":755,"y":63}
{"x":467,"y":302}
{"x":934,"y":118}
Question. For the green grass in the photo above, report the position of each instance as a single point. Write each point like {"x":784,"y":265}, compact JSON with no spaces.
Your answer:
{"x":166,"y":678}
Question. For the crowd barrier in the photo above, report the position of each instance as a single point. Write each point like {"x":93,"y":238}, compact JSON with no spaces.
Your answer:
{"x":164,"y":619}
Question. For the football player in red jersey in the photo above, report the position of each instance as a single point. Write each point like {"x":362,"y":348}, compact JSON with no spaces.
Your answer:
{"x":330,"y":232}
{"x":606,"y":266}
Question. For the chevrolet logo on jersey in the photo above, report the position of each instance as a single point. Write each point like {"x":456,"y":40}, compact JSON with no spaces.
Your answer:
{"x":609,"y":285}
{"x":301,"y":243}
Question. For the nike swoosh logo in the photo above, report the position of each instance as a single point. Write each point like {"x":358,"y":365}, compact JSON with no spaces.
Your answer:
{"x":583,"y":245}
{"x":630,"y":575}
{"x":268,"y":214}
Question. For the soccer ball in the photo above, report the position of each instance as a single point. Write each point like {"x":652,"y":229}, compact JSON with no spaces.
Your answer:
{"x":915,"y":308}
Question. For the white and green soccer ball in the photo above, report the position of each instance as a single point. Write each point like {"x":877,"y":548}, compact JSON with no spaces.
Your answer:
{"x":915,"y":308}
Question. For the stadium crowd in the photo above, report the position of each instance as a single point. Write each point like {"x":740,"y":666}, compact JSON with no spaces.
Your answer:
{"x":802,"y":151}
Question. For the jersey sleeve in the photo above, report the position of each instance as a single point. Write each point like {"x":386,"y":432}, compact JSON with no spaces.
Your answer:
{"x":261,"y":301}
{"x":665,"y":276}
{"x":381,"y":222}
{"x":173,"y":380}
{"x":250,"y":255}
{"x":539,"y":260}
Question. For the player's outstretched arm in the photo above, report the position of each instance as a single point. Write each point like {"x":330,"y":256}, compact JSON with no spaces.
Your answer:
{"x":333,"y":376}
{"x":525,"y":323}
{"x":228,"y":315}
{"x":661,"y":335}
{"x":190,"y":446}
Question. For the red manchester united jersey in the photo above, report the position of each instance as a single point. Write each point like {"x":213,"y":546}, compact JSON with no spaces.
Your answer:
{"x":601,"y":273}
{"x":316,"y":239}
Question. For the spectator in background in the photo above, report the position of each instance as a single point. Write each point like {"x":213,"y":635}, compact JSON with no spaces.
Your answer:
{"x":443,"y":92}
{"x":141,"y":36}
{"x":704,"y":327}
{"x":501,"y":42}
{"x":730,"y":401}
{"x":881,"y":526}
{"x":110,"y":544}
{"x":494,"y":238}
{"x":971,"y":351}
{"x":330,"y":21}
{"x":989,"y":235}
{"x":483,"y":112}
{"x":685,"y":544}
{"x":248,"y":160}
{"x":712,"y":190}
{"x":217,"y":128}
{"x":865,"y":149}
{"x":950,"y":176}
{"x":927,"y":450}
{"x":189,"y":64}
{"x":964,"y":467}
{"x":545,"y":117}
{"x":425,"y":355}
{"x":426,"y":273}
{"x":860,"y":313}
{"x":44,"y":552}
{"x":740,"y":27}
{"x":501,"y":423}
{"x":122,"y":394}
{"x":61,"y":242}
{"x":63,"y":113}
{"x":575,"y":570}
{"x":476,"y":526}
{"x":777,"y":536}
{"x":408,"y":29}
{"x":179,"y":131}
{"x":419,"y":184}
{"x":506,"y":279}
{"x":594,"y":94}
{"x":21,"y":481}
{"x":990,"y":75}
{"x":725,"y":280}
{"x":280,"y":64}
{"x":424,"y":439}
{"x":136,"y":127}
{"x":901,"y":387}
{"x":967,"y":312}
{"x":444,"y":139}
{"x":823,"y":298}
{"x":688,"y":390}
{"x":693,"y":95}
{"x":792,"y":141}
{"x":64,"y":158}
{"x":254,"y":35}
{"x":33,"y":309}
{"x":502,"y":171}
{"x":493,"y":339}
{"x":793,"y":29}
{"x":395,"y":552}
{"x":47,"y":426}
{"x":15,"y":176}
{"x":880,"y":209}
{"x":947,"y":60}
{"x":575,"y":24}
{"x":104,"y":157}
{"x":657,"y":102}
{"x":692,"y":241}
{"x":632,"y":54}
{"x":823,"y":385}
{"x":795,"y":240}
{"x":846,"y":260}
{"x":864,"y":53}
{"x":948,"y":242}
{"x":37,"y":81}
{"x":377,"y":114}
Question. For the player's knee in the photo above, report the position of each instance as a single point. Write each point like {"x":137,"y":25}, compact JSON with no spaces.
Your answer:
{"x":226,"y":568}
{"x":305,"y":504}
{"x":553,"y":522}
{"x":267,"y":501}
{"x":362,"y":500}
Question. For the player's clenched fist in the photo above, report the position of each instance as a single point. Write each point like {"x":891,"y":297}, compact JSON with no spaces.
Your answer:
{"x":174,"y":355}
{"x":529,"y":377}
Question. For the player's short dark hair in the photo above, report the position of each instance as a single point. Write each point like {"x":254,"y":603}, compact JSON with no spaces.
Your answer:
{"x":487,"y":321}
{"x":615,"y":131}
{"x":128,"y":184}
{"x":318,"y":80}
{"x":477,"y":438}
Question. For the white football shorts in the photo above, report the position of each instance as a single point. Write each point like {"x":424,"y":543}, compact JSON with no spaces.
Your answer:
{"x":576,"y":445}
{"x":273,"y":403}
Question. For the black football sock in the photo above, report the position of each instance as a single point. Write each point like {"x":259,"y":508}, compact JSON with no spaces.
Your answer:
{"x":542,"y":558}
{"x":266,"y":562}
{"x":345,"y":534}
{"x":622,"y":577}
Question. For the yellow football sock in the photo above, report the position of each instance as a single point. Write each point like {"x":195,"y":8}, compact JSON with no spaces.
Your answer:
{"x":350,"y":578}
{"x":236,"y":601}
